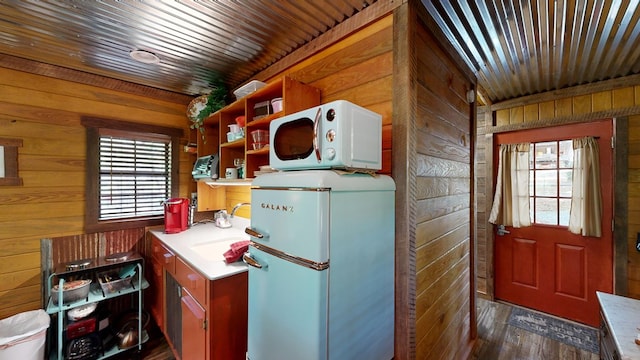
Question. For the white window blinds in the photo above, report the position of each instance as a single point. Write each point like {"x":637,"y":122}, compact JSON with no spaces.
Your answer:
{"x":134,"y":175}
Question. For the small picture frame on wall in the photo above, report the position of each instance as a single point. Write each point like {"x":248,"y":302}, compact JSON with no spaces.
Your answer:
{"x":9,"y":162}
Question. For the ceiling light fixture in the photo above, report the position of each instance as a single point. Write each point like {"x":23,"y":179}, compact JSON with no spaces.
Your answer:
{"x":144,"y":56}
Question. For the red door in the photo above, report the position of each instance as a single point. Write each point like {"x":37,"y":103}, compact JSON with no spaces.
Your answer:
{"x":545,"y":267}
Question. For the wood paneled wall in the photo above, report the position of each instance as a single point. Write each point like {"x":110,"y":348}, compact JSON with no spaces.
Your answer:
{"x":444,"y":203}
{"x":358,"y":68}
{"x":45,"y":113}
{"x":619,"y":98}
{"x":361,"y":68}
{"x":352,"y":62}
{"x":482,"y":197}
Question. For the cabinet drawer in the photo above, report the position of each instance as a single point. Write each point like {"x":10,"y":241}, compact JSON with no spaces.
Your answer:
{"x":162,"y":255}
{"x":192,"y":280}
{"x":607,"y":344}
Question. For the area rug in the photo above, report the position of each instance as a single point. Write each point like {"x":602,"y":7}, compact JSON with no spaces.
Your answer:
{"x":573,"y":334}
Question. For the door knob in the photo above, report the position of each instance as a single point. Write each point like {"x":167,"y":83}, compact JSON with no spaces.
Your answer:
{"x":502,"y":230}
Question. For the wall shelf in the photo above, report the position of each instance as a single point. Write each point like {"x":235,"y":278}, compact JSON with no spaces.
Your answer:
{"x":238,"y":143}
{"x":228,"y":182}
{"x":295,"y":95}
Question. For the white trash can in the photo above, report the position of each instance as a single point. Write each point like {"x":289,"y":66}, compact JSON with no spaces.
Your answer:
{"x":22,"y":336}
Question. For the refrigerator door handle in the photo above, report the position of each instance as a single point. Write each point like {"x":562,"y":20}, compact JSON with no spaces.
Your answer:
{"x":249,"y":260}
{"x":254,"y":233}
{"x":319,"y":266}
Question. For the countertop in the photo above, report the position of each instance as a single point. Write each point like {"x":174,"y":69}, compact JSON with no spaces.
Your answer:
{"x":203,"y":246}
{"x":623,"y":316}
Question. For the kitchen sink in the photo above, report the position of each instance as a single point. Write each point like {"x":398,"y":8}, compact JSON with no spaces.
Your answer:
{"x":214,"y":250}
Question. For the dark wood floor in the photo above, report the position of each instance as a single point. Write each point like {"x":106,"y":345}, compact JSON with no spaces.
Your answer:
{"x":496,"y":341}
{"x":499,"y":341}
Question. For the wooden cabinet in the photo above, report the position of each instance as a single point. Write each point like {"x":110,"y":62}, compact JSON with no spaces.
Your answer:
{"x":227,"y":324}
{"x":154,"y":300}
{"x":192,"y":281}
{"x":172,"y":313}
{"x":230,"y":150}
{"x":608,"y":349}
{"x":161,"y":259}
{"x":210,"y":199}
{"x":194,"y":328}
{"x":295,"y":96}
{"x":619,"y":317}
{"x":203,"y":319}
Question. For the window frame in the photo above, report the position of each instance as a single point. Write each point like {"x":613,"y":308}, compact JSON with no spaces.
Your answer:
{"x":558,"y":169}
{"x":92,"y":201}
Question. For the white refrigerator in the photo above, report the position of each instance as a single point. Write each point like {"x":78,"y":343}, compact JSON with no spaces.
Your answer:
{"x":321,"y":274}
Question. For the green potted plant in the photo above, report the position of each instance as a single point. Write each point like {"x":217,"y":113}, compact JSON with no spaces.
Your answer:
{"x":204,"y":105}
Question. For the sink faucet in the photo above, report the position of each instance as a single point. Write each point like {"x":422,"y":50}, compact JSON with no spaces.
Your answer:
{"x":235,"y":208}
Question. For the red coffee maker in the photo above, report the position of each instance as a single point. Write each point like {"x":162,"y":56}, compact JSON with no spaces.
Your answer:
{"x":176,"y":215}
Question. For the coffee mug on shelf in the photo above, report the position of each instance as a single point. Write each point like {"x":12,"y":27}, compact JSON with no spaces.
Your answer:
{"x":231,"y":173}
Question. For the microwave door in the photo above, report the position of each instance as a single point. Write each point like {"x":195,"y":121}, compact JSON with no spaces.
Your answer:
{"x":316,"y":135}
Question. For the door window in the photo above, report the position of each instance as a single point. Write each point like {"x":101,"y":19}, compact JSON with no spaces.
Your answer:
{"x":550,"y":175}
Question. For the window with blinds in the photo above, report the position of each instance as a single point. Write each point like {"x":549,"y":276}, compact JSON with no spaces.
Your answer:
{"x":134,"y":175}
{"x":131,"y":169}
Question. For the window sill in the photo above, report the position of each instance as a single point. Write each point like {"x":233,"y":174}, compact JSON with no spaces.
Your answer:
{"x":103,"y":226}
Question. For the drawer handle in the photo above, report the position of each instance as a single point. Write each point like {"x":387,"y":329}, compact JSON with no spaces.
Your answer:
{"x":167,"y":258}
{"x":194,"y":279}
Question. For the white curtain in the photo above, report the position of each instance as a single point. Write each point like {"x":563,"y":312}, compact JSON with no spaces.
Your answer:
{"x":511,"y":201}
{"x":586,"y":200}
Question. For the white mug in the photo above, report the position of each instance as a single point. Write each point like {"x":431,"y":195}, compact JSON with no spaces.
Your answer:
{"x":231,"y":173}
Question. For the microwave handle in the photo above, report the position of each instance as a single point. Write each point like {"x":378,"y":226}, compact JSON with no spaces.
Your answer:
{"x":316,"y":140}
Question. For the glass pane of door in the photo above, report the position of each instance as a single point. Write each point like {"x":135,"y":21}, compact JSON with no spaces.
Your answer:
{"x":551,"y":179}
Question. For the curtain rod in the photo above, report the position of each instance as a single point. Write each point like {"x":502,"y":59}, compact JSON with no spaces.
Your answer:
{"x":595,"y":137}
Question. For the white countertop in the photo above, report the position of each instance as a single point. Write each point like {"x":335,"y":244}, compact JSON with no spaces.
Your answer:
{"x":623,"y":316}
{"x":203,"y":246}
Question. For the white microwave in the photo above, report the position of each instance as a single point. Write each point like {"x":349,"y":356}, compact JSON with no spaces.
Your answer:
{"x":335,"y":135}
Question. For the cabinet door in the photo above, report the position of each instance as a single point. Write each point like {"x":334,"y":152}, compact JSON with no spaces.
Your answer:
{"x":155,"y":295}
{"x":194,"y":332}
{"x":209,"y":198}
{"x":173,"y":313}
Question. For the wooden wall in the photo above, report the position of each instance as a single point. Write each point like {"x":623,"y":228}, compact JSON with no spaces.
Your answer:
{"x":359,"y":61}
{"x":483,"y":228}
{"x":363,"y":68}
{"x":45,"y":113}
{"x":444,"y":203}
{"x":358,"y":68}
{"x":619,"y":98}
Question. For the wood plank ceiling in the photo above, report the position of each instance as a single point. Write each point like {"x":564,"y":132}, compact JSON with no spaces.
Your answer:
{"x":196,"y":41}
{"x":516,"y":48}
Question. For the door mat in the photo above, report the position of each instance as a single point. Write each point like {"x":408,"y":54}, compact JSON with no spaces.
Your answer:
{"x":573,"y":334}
